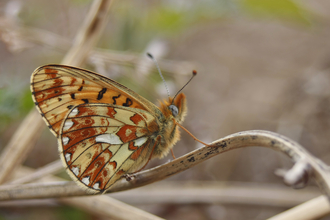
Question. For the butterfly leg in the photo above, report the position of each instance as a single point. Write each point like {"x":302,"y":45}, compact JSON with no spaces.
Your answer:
{"x":153,"y":148}
{"x":195,"y":138}
{"x":173,"y":154}
{"x":131,"y":176}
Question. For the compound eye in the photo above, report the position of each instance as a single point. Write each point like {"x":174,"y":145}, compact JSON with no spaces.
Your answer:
{"x":174,"y":110}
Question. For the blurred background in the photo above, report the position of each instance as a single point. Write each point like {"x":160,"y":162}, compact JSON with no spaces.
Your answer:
{"x":261,"y":64}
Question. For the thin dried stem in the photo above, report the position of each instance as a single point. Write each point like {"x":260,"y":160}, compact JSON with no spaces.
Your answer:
{"x":243,"y":139}
{"x":109,"y":207}
{"x":210,"y":192}
{"x":33,"y":36}
{"x":98,"y":205}
{"x":238,"y":140}
{"x":25,"y":137}
{"x":312,"y":209}
{"x":205,"y":192}
{"x":49,"y":169}
{"x":89,"y":33}
{"x":20,"y":144}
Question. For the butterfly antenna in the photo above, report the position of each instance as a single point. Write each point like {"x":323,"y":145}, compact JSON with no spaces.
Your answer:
{"x":194,"y":73}
{"x":160,"y":73}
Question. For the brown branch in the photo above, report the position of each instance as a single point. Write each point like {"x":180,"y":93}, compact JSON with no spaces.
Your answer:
{"x":20,"y":144}
{"x":313,"y":209}
{"x":204,"y":192}
{"x":210,"y":192}
{"x":26,"y":135}
{"x":238,"y":140}
{"x":23,"y":142}
{"x":89,"y":33}
{"x":14,"y":35}
{"x":49,"y":169}
{"x":109,"y":207}
{"x":94,"y":205}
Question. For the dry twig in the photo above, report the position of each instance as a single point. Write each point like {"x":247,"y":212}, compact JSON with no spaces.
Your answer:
{"x":243,"y":139}
{"x":312,"y":209}
{"x":238,"y":140}
{"x":24,"y":139}
{"x":203,"y":192}
{"x":14,"y":35}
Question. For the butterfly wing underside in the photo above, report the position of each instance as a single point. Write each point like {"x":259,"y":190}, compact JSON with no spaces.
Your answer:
{"x":104,"y":129}
{"x":101,"y":142}
{"x":58,"y":88}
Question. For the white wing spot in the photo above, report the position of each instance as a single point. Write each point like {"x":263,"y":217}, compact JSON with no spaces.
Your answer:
{"x":85,"y":180}
{"x":67,"y":125}
{"x":96,"y":186}
{"x":74,"y":112}
{"x":65,"y":140}
{"x":108,"y":138}
{"x":75,"y":170}
{"x":139,"y":142}
{"x":67,"y":157}
{"x":128,"y":132}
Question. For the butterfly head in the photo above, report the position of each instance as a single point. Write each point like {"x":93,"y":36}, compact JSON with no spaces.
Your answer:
{"x":174,"y":111}
{"x":176,"y":108}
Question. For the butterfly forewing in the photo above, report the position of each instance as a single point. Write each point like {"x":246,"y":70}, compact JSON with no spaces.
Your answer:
{"x":100,"y":142}
{"x":56,"y":89}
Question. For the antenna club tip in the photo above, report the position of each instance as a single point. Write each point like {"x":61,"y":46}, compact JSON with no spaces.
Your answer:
{"x":149,"y":55}
{"x":194,"y":72}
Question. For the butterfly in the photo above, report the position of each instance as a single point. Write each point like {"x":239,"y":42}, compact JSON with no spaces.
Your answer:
{"x":104,"y":129}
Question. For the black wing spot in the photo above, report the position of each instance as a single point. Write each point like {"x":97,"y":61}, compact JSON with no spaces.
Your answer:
{"x":59,"y":99}
{"x":33,"y":93}
{"x":56,"y":91}
{"x":50,"y":127}
{"x":72,"y":95}
{"x":80,"y":88}
{"x":42,"y":114}
{"x":85,"y":100}
{"x":36,"y":103}
{"x":70,"y":106}
{"x":128,"y":102}
{"x":114,"y":99}
{"x":101,"y":93}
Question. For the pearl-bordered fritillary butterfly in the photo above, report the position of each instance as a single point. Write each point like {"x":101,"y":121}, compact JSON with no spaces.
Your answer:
{"x":104,"y":129}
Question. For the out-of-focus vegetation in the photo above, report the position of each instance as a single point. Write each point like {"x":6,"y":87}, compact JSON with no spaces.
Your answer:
{"x":15,"y":102}
{"x":133,"y":25}
{"x":281,"y":9}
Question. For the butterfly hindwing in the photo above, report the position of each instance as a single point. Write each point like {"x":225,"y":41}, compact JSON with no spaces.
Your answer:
{"x":57,"y":88}
{"x":100,"y":142}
